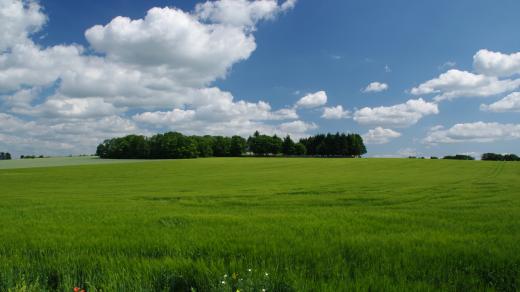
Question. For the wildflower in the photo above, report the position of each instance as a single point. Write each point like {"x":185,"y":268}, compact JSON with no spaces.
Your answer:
{"x":263,"y":290}
{"x":223,"y":282}
{"x":225,"y":276}
{"x":249,"y":270}
{"x":266,"y":274}
{"x":76,"y":289}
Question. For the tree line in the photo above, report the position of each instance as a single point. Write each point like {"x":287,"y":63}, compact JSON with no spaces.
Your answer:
{"x":500,"y":157}
{"x":459,"y":157}
{"x":485,"y":157}
{"x":174,"y":145}
{"x":5,"y":156}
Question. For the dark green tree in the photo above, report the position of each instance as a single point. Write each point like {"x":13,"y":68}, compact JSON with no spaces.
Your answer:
{"x":288,"y":146}
{"x":204,"y":145}
{"x":238,"y":146}
{"x":275,"y":145}
{"x":221,"y":146}
{"x":459,"y":157}
{"x":299,"y":149}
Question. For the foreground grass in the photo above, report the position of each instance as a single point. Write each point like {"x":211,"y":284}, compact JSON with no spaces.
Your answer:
{"x":298,"y":224}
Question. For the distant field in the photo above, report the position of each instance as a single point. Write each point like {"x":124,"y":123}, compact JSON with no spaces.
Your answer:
{"x":297,"y":224}
{"x":58,"y":161}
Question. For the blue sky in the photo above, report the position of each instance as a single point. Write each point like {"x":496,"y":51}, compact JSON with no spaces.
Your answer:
{"x":447,"y":72}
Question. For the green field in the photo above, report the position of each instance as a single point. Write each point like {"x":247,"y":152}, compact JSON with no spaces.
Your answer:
{"x":274,"y":224}
{"x":59,"y":161}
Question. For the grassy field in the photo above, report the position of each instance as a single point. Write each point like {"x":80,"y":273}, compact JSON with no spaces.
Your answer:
{"x":59,"y":161}
{"x":253,"y":224}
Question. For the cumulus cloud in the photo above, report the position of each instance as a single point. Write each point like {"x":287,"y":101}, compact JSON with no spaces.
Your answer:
{"x":313,"y":100}
{"x":166,"y":60}
{"x":296,"y":127}
{"x":448,"y":64}
{"x":224,"y":112}
{"x":18,"y":21}
{"x":165,"y":118}
{"x":510,"y":103}
{"x":401,"y":115}
{"x":61,"y":136}
{"x":176,"y":41}
{"x":496,"y":64}
{"x":375,"y":87}
{"x":243,"y":13}
{"x":408,"y":152}
{"x":455,"y":83}
{"x":480,"y":132}
{"x":60,"y":107}
{"x":380,"y":135}
{"x":335,"y":113}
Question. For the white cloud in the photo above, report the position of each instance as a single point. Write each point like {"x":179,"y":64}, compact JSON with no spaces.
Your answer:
{"x":408,"y":152}
{"x":480,"y":132}
{"x":29,"y":65}
{"x":380,"y":135}
{"x":288,"y":4}
{"x":401,"y":115}
{"x":510,"y":103}
{"x":18,"y":20}
{"x":242,"y":13}
{"x":335,"y":113}
{"x":313,"y":100}
{"x":496,"y":63}
{"x":295,"y":129}
{"x":376,"y":87}
{"x":60,"y":137}
{"x":165,"y":118}
{"x":176,"y":42}
{"x":224,"y":111}
{"x":61,"y":107}
{"x":455,"y":83}
{"x":448,"y":64}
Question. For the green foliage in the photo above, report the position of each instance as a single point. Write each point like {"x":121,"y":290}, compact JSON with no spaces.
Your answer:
{"x":174,"y":145}
{"x":288,"y":146}
{"x":263,"y":145}
{"x":5,"y":156}
{"x":459,"y":157}
{"x":310,"y":224}
{"x":238,"y":146}
{"x":299,"y":149}
{"x":204,"y":145}
{"x":221,"y":146}
{"x":350,"y":145}
{"x":500,"y":157}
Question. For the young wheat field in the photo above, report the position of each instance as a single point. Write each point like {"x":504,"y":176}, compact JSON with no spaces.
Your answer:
{"x":222,"y":224}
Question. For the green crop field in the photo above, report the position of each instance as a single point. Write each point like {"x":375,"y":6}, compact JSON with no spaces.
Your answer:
{"x":254,"y":223}
{"x":59,"y":161}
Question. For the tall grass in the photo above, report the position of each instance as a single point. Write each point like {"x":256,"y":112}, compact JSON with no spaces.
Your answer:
{"x":253,"y":224}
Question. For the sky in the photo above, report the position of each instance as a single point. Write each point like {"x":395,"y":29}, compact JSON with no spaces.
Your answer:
{"x":414,"y":78}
